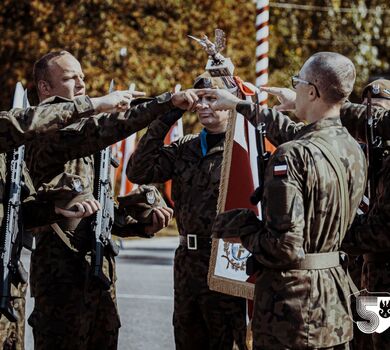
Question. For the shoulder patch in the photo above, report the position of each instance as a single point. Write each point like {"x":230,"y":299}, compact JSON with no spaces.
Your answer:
{"x":280,"y":169}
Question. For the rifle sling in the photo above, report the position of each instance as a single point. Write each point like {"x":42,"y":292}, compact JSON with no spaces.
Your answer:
{"x":339,"y":169}
{"x":328,"y":152}
{"x":113,"y":248}
{"x":62,"y":235}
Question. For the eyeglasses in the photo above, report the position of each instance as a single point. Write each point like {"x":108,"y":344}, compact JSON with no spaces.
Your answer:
{"x":295,"y":81}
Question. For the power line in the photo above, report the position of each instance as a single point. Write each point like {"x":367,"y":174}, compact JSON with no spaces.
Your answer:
{"x":290,"y":6}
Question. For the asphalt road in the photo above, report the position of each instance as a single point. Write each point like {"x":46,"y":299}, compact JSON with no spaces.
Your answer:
{"x":145,"y":294}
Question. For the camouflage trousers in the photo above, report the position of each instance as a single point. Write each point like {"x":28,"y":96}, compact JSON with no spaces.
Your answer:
{"x":71,"y":310}
{"x":70,"y":318}
{"x":204,"y":319}
{"x":272,"y":344}
{"x":12,"y":333}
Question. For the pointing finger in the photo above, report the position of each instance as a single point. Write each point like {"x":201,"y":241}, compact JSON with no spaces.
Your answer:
{"x":138,"y":93}
{"x":272,"y":90}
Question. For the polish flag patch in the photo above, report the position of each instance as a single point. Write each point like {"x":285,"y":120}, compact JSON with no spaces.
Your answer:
{"x":280,"y":170}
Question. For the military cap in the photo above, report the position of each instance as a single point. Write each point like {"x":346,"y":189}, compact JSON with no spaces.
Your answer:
{"x":379,"y":88}
{"x":139,"y":204}
{"x":206,"y":81}
{"x":238,"y":87}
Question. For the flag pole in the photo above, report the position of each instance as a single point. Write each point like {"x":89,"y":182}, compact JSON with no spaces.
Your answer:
{"x":262,"y":47}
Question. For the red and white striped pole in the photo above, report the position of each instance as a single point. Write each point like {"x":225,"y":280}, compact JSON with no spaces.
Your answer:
{"x":262,"y":33}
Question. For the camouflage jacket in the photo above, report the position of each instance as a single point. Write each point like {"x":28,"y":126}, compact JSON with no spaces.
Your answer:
{"x":371,"y":232}
{"x":22,"y":126}
{"x":353,"y":117}
{"x":301,"y":308}
{"x":35,"y":213}
{"x":195,"y":178}
{"x":59,"y":179}
{"x":19,"y":126}
{"x":56,"y":177}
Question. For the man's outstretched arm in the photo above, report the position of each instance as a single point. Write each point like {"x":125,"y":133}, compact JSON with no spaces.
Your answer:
{"x":353,"y":116}
{"x":19,"y":126}
{"x":279,"y":127}
{"x":90,"y":135}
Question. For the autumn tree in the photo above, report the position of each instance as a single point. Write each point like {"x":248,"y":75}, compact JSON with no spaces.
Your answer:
{"x":146,"y":41}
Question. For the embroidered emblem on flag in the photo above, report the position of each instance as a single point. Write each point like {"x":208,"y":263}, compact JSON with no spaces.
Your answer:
{"x":280,"y":170}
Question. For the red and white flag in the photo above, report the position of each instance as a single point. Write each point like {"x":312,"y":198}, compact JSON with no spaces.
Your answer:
{"x":239,"y":179}
{"x":240,"y":176}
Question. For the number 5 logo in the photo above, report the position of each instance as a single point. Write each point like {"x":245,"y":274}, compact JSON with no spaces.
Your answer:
{"x":374,"y":309}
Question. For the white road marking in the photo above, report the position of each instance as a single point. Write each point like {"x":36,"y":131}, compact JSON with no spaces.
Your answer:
{"x":143,"y":296}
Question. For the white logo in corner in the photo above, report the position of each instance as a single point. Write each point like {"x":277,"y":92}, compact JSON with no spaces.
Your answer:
{"x":373,"y":310}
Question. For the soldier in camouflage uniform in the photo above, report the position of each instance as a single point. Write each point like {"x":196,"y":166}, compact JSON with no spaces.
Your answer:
{"x":370,"y":234}
{"x":71,"y":310}
{"x":17,"y":127}
{"x":314,"y":183}
{"x":202,"y":319}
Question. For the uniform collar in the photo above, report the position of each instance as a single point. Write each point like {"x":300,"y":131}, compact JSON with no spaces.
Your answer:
{"x":204,"y":146}
{"x":195,"y":147}
{"x":320,"y":125}
{"x":53,"y":100}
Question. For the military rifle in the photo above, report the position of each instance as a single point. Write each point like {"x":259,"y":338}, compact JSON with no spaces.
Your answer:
{"x":12,"y":270}
{"x":374,"y":147}
{"x":104,"y":218}
{"x":262,"y":154}
{"x":252,"y":265}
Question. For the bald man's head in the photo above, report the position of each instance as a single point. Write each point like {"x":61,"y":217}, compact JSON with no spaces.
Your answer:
{"x":332,"y":73}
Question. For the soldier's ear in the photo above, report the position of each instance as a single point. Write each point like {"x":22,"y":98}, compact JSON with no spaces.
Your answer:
{"x":312,"y":93}
{"x":43,"y":88}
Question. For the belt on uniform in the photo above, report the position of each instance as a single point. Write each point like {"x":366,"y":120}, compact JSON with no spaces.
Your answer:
{"x":377,"y":257}
{"x":195,"y":242}
{"x":317,"y":261}
{"x":321,"y":261}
